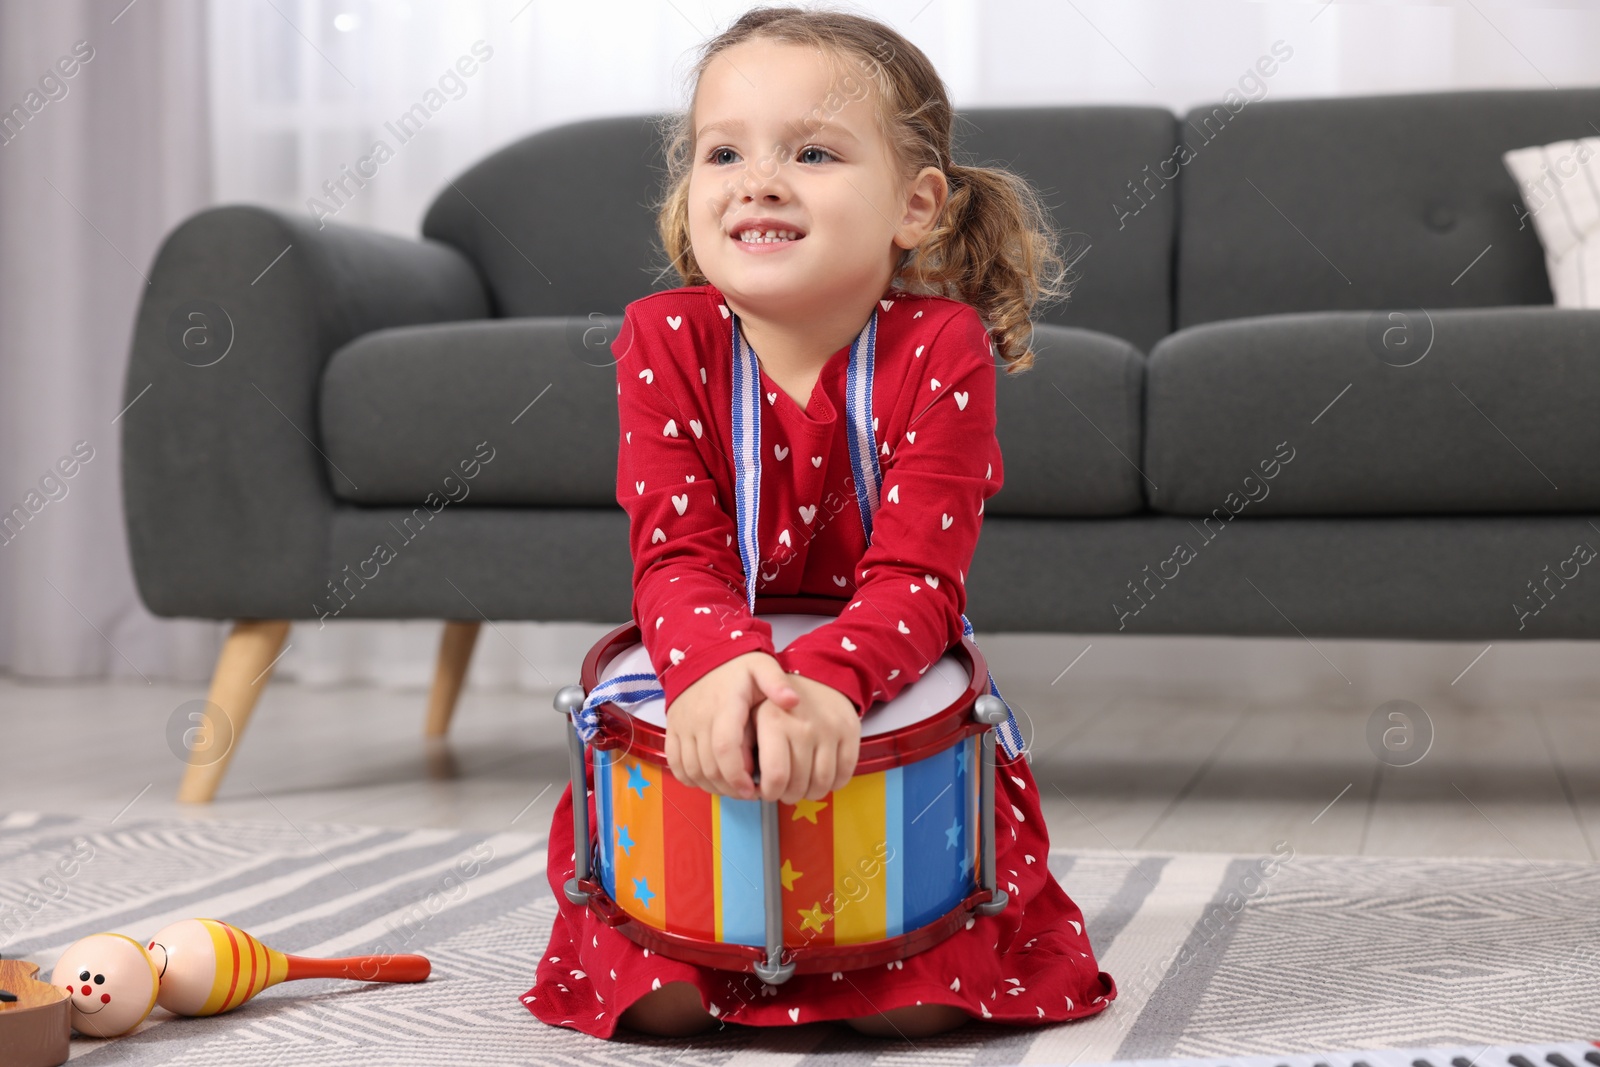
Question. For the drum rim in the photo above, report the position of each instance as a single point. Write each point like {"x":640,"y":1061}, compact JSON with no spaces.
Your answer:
{"x":880,"y":752}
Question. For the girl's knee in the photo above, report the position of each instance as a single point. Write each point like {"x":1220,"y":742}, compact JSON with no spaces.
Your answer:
{"x":911,"y":1021}
{"x":674,"y":1010}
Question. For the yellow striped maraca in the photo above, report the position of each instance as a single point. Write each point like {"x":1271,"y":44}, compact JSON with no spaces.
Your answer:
{"x":208,"y":967}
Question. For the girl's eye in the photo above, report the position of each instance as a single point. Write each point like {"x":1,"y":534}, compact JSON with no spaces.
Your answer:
{"x":716,"y":153}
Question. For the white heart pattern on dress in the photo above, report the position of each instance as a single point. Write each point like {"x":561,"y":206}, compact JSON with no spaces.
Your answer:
{"x":849,"y":645}
{"x":894,"y":493}
{"x":659,"y":620}
{"x":893,"y":674}
{"x":781,"y":451}
{"x":933,"y":583}
{"x":945,"y":521}
{"x":911,"y":435}
{"x":674,"y":321}
{"x":736,"y":633}
{"x":772,"y":398}
{"x":839,"y":580}
{"x":694,"y":424}
{"x":702,"y":611}
{"x":903,"y":627}
{"x":794,"y":1015}
{"x":658,"y":536}
{"x":886,"y":304}
{"x":933,"y":383}
{"x":920,"y":347}
{"x":816,"y":461}
{"x":648,"y":375}
{"x":961,"y":401}
{"x":808,"y":513}
{"x":918,"y":315}
{"x":671,"y":429}
{"x":676,"y":657}
{"x":630,"y":437}
{"x":783,"y":539}
{"x":681,"y":502}
{"x":639,"y":486}
{"x":915,"y":588}
{"x":724,"y":309}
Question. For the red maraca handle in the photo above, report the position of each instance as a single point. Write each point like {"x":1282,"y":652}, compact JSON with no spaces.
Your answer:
{"x":382,"y":968}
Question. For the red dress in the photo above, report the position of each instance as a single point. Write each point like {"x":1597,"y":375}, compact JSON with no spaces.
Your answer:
{"x":934,"y":416}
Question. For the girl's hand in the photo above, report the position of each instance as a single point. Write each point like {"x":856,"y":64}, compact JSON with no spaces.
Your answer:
{"x":708,"y":736}
{"x":811,"y":749}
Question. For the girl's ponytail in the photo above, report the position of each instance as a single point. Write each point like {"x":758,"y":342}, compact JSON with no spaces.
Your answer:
{"x":993,"y":248}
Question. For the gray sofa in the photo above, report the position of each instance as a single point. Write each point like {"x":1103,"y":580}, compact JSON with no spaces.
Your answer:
{"x":1310,"y":381}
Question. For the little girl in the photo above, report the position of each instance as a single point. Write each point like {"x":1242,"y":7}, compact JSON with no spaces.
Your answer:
{"x":833,"y":256}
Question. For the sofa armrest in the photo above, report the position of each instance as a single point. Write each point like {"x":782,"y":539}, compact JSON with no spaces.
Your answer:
{"x":226,"y":492}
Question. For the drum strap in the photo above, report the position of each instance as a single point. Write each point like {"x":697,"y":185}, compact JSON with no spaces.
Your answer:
{"x":628,"y":690}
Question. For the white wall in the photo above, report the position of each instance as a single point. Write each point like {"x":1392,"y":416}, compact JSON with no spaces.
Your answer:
{"x":286,"y":117}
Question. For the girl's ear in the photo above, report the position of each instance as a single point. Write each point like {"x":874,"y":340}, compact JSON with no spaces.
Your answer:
{"x":926,"y":199}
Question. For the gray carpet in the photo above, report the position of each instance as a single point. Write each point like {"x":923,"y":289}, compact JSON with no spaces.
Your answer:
{"x":1322,"y":953}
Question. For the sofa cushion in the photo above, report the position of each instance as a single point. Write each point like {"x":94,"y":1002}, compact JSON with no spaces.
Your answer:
{"x":400,"y":411}
{"x":1077,"y":158}
{"x":1561,"y":190}
{"x":1448,"y":411}
{"x":1364,"y":202}
{"x":1069,"y":428}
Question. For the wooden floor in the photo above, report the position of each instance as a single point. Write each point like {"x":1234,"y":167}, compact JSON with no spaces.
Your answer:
{"x":1147,"y":743}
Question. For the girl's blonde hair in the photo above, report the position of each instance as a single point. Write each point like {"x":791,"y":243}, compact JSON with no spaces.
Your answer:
{"x":992,"y":247}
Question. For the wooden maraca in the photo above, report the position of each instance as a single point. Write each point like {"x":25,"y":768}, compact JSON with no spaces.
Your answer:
{"x":194,"y":967}
{"x":207,"y":967}
{"x":111,"y":982}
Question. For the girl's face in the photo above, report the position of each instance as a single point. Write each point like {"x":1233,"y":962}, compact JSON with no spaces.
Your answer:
{"x":783,"y":134}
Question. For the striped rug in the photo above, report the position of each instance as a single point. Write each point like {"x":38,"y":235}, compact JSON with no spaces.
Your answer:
{"x":1215,"y":955}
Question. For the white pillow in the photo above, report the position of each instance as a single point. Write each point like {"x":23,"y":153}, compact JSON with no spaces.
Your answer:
{"x":1560,"y":185}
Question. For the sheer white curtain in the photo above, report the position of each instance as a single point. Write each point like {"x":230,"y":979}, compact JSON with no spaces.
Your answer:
{"x":104,"y":147}
{"x":191,"y":102}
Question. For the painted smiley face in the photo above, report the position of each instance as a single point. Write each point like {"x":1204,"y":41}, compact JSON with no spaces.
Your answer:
{"x":112,"y":982}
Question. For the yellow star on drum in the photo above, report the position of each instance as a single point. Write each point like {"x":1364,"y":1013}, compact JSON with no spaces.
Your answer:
{"x":813,"y":919}
{"x":789,"y":874}
{"x":807,"y":809}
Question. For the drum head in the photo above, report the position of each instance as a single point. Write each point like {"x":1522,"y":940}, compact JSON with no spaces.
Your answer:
{"x":939,"y":687}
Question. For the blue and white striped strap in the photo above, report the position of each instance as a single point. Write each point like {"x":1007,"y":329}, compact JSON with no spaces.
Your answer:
{"x":624,"y":690}
{"x":869,"y":483}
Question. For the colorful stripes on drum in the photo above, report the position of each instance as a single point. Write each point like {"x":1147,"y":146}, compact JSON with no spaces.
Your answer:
{"x":888,"y":853}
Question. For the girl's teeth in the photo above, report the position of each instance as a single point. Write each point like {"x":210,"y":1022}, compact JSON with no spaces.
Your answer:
{"x":770,"y":237}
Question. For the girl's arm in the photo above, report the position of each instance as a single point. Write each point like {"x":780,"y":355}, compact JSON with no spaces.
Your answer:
{"x":910,"y":593}
{"x":688,"y":594}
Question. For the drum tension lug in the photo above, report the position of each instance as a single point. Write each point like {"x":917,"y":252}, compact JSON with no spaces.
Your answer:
{"x":773,"y":972}
{"x":995,"y":904}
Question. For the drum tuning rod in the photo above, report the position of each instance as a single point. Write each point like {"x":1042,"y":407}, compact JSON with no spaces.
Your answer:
{"x":773,"y":970}
{"x":991,"y":711}
{"x":568,"y":701}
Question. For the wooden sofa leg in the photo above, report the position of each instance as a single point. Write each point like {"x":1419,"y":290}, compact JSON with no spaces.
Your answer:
{"x":455,"y":656}
{"x":243,"y":668}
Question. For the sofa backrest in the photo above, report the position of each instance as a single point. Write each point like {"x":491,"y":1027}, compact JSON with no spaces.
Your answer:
{"x":1363,"y":202}
{"x":561,"y":222}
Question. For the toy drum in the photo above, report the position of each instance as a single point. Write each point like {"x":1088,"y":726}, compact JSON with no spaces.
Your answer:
{"x":889,"y":865}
